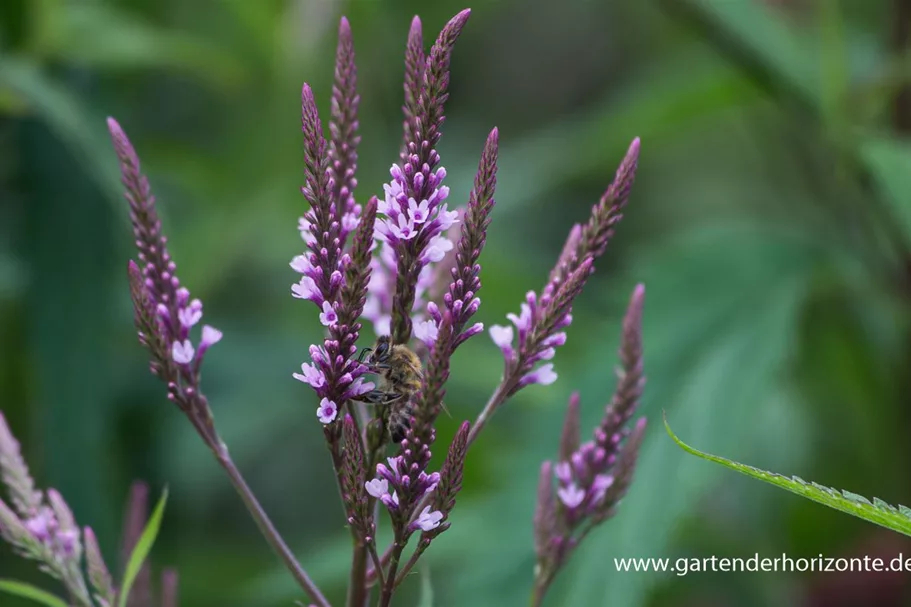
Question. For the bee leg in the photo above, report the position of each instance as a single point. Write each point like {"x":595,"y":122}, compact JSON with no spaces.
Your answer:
{"x":378,"y":397}
{"x":364,"y":352}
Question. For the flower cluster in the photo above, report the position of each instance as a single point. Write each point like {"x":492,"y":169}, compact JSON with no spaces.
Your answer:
{"x":40,"y":526}
{"x":393,"y":479}
{"x":408,"y":264}
{"x":593,"y":477}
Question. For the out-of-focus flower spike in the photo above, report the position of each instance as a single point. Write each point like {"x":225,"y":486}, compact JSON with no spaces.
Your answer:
{"x":12,"y":528}
{"x":15,"y":474}
{"x":567,"y":256}
{"x":623,"y":470}
{"x":555,"y":315}
{"x":169,"y":585}
{"x":415,"y":62}
{"x":630,"y":376}
{"x":99,"y":576}
{"x":569,"y":439}
{"x":545,"y":511}
{"x":343,"y":130}
{"x":67,"y":530}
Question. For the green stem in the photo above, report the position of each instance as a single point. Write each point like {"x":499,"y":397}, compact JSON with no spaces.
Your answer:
{"x":267,"y":528}
{"x":389,"y":586}
{"x":357,"y":587}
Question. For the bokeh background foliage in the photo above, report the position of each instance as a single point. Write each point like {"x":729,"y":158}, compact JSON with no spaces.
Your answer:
{"x":771,"y":223}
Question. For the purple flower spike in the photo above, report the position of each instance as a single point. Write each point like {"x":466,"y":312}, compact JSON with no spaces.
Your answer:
{"x":593,"y":477}
{"x":418,"y":182}
{"x":15,"y":474}
{"x":337,"y":282}
{"x":164,"y":312}
{"x":462,"y":300}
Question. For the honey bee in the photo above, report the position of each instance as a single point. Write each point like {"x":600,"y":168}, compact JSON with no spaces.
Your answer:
{"x":401,"y":374}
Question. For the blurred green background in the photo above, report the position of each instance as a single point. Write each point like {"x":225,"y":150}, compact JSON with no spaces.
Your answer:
{"x":771,"y":222}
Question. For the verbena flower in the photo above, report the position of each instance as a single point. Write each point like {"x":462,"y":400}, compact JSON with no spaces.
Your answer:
{"x":591,"y":478}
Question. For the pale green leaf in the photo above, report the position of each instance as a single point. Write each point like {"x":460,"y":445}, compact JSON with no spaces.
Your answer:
{"x":141,"y":550}
{"x":879,"y":512}
{"x":889,"y":161}
{"x":27,"y":591}
{"x":426,"y":597}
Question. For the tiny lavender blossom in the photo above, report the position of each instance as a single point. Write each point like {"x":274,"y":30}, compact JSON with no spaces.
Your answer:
{"x":593,"y":477}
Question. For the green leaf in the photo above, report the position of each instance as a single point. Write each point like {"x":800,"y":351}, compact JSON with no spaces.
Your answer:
{"x":27,"y":591}
{"x":77,"y":126}
{"x":426,"y":597}
{"x":878,"y":511}
{"x":141,"y":551}
{"x":889,"y":160}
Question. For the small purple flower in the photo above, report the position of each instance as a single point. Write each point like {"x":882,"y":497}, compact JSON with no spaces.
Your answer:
{"x":305,"y":289}
{"x":544,"y":375}
{"x":377,"y":487}
{"x":564,"y":472}
{"x":426,"y":331}
{"x":360,"y":387}
{"x":350,"y":222}
{"x":43,"y":525}
{"x":311,"y":375}
{"x":182,"y":352}
{"x":327,"y":411}
{"x":210,"y":337}
{"x":437,"y":249}
{"x":301,"y":264}
{"x":403,"y":229}
{"x":600,"y":485}
{"x":502,"y":336}
{"x":427,"y":520}
{"x":304,"y":227}
{"x":328,"y":316}
{"x":191,"y":314}
{"x":571,"y":495}
{"x":418,"y":212}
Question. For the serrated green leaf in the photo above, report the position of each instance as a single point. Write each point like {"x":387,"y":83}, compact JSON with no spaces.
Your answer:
{"x":27,"y":591}
{"x":142,"y":549}
{"x":847,"y":502}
